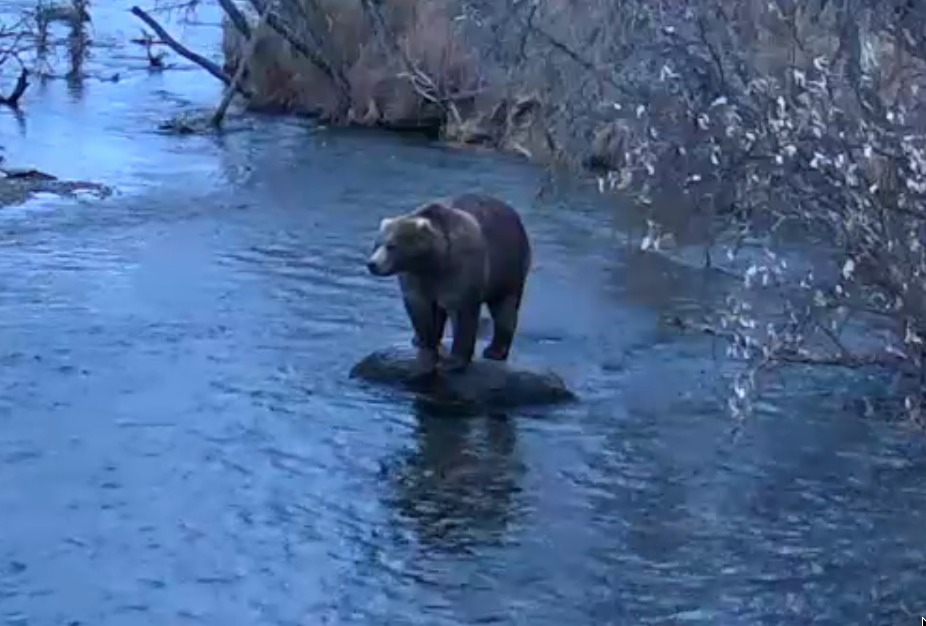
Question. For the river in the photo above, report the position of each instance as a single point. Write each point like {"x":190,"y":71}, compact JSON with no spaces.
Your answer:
{"x":180,"y":442}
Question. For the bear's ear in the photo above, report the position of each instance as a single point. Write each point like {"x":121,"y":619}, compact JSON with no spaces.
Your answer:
{"x":422,"y":223}
{"x":384,"y":224}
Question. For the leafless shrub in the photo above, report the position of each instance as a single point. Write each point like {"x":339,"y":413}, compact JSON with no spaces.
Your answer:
{"x":383,"y":57}
{"x":822,"y":139}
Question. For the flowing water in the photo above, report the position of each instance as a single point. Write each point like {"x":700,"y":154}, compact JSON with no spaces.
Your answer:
{"x":180,"y":442}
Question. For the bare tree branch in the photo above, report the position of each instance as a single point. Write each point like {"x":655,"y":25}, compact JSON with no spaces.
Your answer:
{"x":237,"y":18}
{"x":22,"y":83}
{"x":185,"y":52}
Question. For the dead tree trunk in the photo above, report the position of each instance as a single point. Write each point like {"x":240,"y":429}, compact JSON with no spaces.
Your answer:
{"x":219,"y":114}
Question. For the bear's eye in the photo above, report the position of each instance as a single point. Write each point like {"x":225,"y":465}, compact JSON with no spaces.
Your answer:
{"x":390,"y":246}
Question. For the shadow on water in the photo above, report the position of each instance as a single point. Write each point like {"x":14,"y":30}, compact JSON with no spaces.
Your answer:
{"x":180,"y":443}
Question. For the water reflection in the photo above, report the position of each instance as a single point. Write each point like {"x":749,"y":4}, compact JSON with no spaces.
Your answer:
{"x":20,"y":118}
{"x":457,"y":487}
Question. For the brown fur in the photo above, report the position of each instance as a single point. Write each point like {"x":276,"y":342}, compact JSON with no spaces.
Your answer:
{"x":451,"y":258}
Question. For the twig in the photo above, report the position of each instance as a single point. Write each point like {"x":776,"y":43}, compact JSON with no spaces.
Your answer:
{"x":22,"y":83}
{"x":185,"y":52}
{"x":849,"y":362}
{"x":219,"y":114}
{"x":791,"y":356}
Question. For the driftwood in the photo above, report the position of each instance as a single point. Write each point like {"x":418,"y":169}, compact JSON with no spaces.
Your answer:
{"x":17,"y":185}
{"x":186,"y":53}
{"x":484,"y":384}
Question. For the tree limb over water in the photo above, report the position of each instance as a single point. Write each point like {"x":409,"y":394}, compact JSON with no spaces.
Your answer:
{"x":239,"y":73}
{"x":237,"y":18}
{"x":22,"y":84}
{"x":185,"y":52}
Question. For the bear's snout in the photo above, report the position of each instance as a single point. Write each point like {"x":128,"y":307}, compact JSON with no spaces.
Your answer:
{"x":378,"y":264}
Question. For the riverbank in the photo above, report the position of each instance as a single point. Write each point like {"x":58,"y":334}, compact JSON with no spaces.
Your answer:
{"x":407,"y":68}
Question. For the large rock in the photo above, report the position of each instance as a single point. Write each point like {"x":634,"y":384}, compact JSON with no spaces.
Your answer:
{"x":484,"y":384}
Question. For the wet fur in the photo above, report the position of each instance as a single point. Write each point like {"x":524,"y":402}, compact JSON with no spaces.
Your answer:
{"x":451,"y":259}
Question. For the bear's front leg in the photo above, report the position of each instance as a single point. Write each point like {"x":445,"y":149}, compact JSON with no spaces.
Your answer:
{"x":440,"y":323}
{"x":465,"y":329}
{"x":428,"y":323}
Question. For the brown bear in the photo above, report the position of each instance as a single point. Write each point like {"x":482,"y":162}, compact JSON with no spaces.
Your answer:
{"x":451,"y":258}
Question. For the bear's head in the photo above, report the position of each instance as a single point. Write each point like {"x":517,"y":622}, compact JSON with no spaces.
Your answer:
{"x":406,"y":244}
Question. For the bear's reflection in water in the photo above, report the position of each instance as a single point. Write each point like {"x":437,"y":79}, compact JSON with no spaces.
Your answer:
{"x":456,"y":489}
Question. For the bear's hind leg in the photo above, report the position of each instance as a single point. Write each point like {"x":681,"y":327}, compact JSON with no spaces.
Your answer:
{"x":504,"y":313}
{"x":465,"y":329}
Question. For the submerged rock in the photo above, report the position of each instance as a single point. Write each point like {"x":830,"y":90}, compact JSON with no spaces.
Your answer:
{"x":188,"y":123}
{"x":485,"y":384}
{"x":199,"y":122}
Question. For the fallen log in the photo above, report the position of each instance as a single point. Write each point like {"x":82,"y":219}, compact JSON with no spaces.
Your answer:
{"x":484,"y":384}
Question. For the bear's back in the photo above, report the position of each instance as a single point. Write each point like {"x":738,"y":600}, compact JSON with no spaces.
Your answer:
{"x":506,"y":239}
